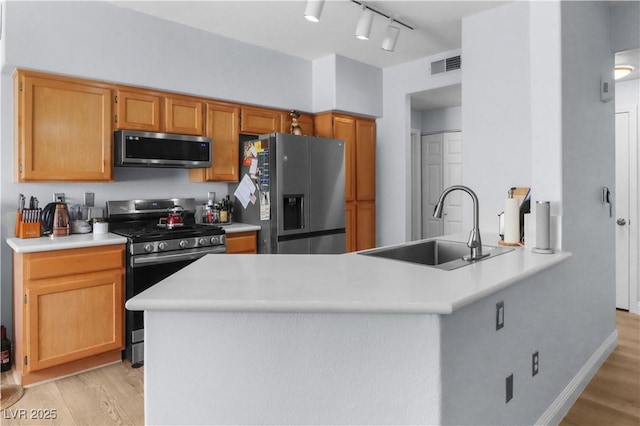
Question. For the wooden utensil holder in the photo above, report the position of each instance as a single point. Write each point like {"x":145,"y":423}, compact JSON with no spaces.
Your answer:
{"x":27,"y":229}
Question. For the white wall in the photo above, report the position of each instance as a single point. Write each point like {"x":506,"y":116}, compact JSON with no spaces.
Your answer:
{"x":587,"y":166}
{"x":441,"y":120}
{"x":625,"y":31}
{"x":496,"y":99}
{"x":393,"y":156}
{"x":343,"y":84}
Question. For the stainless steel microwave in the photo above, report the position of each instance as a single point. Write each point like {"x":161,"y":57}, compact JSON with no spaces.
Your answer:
{"x":147,"y":149}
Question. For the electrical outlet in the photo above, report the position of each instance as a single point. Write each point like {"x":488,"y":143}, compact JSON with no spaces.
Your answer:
{"x":499,"y":315}
{"x":509,"y":388}
{"x":58,"y":196}
{"x":535,"y":363}
{"x":89,"y":199}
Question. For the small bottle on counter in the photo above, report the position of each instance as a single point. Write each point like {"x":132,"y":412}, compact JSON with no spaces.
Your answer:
{"x":223,"y":212}
{"x":6,"y":351}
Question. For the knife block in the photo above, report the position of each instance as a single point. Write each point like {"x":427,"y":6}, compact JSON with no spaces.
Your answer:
{"x":27,"y":229}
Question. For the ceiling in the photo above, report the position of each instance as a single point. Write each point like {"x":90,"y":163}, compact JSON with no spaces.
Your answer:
{"x":280,"y":26}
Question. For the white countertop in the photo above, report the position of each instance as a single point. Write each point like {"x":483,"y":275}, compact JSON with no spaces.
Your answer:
{"x":335,"y":283}
{"x":32,"y":245}
{"x":235,"y":228}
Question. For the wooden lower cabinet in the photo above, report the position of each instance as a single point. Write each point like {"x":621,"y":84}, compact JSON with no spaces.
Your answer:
{"x":365,"y":225}
{"x":67,"y":319}
{"x":350,"y":226}
{"x":242,"y":242}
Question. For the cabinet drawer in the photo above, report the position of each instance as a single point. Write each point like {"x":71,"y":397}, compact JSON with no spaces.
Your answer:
{"x":242,"y":242}
{"x":74,"y":261}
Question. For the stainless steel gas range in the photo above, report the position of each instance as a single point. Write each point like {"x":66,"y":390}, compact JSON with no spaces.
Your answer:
{"x":162,"y":239}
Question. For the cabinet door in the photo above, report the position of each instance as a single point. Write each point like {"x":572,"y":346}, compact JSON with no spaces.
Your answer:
{"x":345,"y":129}
{"x":259,"y":121}
{"x":242,"y":242}
{"x":366,"y":225}
{"x":62,"y":130}
{"x":222,"y":127}
{"x":350,"y":226}
{"x":366,"y":160}
{"x":137,"y":110}
{"x":73,"y":317}
{"x":183,"y":116}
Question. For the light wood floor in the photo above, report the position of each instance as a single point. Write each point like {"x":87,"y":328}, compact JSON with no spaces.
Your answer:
{"x":113,"y":395}
{"x":613,"y":395}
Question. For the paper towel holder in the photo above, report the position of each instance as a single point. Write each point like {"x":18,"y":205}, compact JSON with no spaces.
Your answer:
{"x":543,"y":226}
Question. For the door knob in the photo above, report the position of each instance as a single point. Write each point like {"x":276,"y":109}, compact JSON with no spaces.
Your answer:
{"x":621,"y":222}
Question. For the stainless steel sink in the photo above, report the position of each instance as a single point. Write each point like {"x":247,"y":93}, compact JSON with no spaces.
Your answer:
{"x":441,"y":254}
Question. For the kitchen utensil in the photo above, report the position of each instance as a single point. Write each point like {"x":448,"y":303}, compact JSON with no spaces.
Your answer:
{"x":174,"y":219}
{"x":55,"y":219}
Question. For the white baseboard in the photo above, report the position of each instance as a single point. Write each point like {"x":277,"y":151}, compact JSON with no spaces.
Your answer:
{"x":634,"y":308}
{"x":563,"y":403}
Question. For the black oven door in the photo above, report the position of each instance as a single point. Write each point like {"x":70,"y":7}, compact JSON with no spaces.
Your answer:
{"x":144,"y":271}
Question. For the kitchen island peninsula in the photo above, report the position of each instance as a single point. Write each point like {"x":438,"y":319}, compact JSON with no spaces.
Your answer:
{"x":345,"y":339}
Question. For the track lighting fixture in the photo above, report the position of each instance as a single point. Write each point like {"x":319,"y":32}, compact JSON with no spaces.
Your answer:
{"x":313,"y":10}
{"x":390,"y":37}
{"x":363,"y":29}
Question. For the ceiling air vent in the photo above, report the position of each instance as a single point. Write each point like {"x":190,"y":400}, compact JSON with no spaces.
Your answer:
{"x":445,"y":65}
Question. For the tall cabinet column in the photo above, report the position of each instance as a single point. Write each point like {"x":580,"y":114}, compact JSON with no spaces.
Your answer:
{"x":359,"y":134}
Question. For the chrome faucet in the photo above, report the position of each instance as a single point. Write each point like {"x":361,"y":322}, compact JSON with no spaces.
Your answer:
{"x":474,"y":243}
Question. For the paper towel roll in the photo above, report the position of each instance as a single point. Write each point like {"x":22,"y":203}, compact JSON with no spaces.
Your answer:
{"x":511,"y":221}
{"x":542,"y":225}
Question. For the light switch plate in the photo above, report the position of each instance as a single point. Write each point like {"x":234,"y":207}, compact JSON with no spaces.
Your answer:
{"x":606,"y":89}
{"x":89,"y":199}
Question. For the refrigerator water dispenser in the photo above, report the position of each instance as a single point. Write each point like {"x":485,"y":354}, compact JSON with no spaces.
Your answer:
{"x":293,"y":212}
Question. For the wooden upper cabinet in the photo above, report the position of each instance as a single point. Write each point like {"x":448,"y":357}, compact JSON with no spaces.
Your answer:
{"x":259,"y":121}
{"x":305,"y":121}
{"x":365,"y":152}
{"x":183,"y":116}
{"x":222,"y":125}
{"x":62,"y":129}
{"x":137,"y":110}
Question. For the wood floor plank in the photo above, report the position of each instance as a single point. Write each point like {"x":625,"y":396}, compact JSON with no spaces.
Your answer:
{"x":613,"y":395}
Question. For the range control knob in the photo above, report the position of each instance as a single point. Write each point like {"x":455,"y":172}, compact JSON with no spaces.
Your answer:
{"x":148,"y":248}
{"x":202,"y":242}
{"x":183,"y":243}
{"x":162,"y":246}
{"x":215,"y":240}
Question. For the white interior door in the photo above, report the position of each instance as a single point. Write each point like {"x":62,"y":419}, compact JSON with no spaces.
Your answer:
{"x":453,"y":206}
{"x":432,"y":183}
{"x":625,"y":214}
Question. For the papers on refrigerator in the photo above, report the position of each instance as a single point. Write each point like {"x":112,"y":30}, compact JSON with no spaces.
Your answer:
{"x":245,"y":191}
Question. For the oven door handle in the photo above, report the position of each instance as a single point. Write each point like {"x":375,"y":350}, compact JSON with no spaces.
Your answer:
{"x":151,"y":259}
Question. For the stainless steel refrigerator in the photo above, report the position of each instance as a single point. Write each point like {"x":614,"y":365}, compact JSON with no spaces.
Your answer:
{"x":293,"y":187}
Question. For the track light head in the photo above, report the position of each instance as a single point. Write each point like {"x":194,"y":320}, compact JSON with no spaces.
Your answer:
{"x":390,"y":37}
{"x":313,"y":10}
{"x":363,"y":29}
